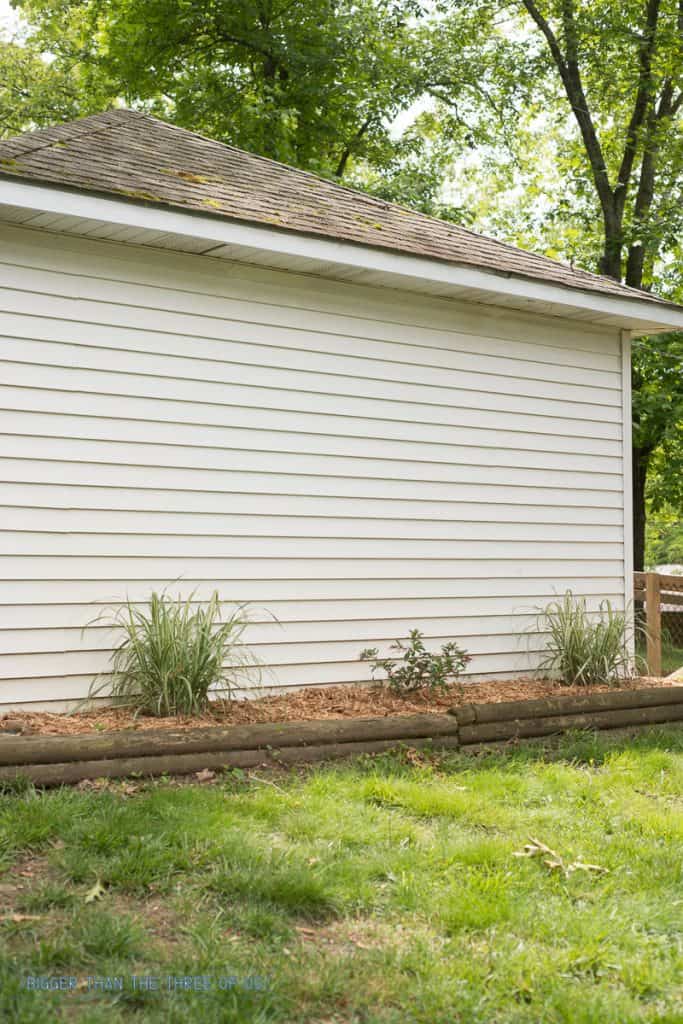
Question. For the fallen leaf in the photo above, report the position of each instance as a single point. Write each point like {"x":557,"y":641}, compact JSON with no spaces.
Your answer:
{"x":553,"y":861}
{"x":128,"y":789}
{"x":88,"y":783}
{"x":580,"y":866}
{"x":205,"y":775}
{"x":96,"y":893}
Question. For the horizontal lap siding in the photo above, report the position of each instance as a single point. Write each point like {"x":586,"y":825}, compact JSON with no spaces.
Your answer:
{"x":353,"y":460}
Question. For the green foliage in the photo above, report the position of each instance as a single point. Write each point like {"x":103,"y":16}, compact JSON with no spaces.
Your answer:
{"x":658,"y":441}
{"x":664,"y":540}
{"x":33,"y":93}
{"x":313,"y":83}
{"x":174,"y":653}
{"x":415,"y":668}
{"x":414,"y":170}
{"x":583,"y":650}
{"x":609,"y":166}
{"x":658,"y":413}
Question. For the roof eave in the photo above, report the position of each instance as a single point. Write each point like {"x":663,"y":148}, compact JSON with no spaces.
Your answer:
{"x":56,"y":208}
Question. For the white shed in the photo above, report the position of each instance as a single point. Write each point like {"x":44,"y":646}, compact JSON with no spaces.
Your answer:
{"x":227,"y":372}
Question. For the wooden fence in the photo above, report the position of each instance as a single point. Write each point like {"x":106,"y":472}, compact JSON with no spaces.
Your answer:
{"x":662,"y":597}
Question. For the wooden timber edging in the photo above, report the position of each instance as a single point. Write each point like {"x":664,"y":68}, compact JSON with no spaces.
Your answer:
{"x":523,"y":728}
{"x":60,"y":760}
{"x":154,"y":742}
{"x":608,"y":700}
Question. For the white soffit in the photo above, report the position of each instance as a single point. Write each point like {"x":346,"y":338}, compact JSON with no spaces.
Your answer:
{"x":95,"y":216}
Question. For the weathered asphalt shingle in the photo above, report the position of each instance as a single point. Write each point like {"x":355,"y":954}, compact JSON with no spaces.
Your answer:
{"x":139,"y":157}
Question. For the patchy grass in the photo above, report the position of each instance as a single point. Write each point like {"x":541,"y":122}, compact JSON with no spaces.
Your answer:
{"x":381,"y":891}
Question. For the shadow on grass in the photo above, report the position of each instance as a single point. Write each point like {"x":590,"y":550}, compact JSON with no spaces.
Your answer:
{"x":576,"y":747}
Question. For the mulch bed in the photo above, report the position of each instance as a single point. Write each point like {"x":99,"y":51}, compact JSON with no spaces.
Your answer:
{"x":302,"y":706}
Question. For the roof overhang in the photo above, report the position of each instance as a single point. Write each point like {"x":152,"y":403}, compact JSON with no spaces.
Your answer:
{"x":93,"y":215}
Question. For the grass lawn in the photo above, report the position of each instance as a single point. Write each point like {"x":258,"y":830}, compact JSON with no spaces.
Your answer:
{"x":383,"y":890}
{"x":672,"y":659}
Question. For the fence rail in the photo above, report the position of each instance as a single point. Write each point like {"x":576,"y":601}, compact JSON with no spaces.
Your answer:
{"x":662,"y":597}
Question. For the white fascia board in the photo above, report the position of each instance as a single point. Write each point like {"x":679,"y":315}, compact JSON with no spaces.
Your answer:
{"x":400,"y":269}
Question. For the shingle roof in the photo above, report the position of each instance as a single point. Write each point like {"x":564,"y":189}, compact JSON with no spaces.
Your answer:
{"x":139,"y":157}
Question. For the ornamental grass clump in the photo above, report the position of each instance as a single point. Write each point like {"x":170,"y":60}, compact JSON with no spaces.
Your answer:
{"x":415,"y":668}
{"x":585,"y":649}
{"x":174,"y":653}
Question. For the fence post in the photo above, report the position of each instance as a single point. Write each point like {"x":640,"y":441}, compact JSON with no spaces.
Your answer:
{"x":654,"y":624}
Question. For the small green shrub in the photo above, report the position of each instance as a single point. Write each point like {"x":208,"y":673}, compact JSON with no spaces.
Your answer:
{"x":175,"y":651}
{"x":583,"y":650}
{"x":415,"y":668}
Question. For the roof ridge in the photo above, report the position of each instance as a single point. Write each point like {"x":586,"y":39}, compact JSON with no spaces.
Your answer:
{"x":69,"y":124}
{"x":291,"y":167}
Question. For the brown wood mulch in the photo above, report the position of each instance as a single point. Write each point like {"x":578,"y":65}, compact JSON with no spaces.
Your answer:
{"x":301,"y":706}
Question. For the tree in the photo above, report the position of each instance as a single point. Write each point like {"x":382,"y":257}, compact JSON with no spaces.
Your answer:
{"x":665,"y":539}
{"x":615,"y":68}
{"x":657,"y":431}
{"x":466,"y":95}
{"x":33,"y":93}
{"x":313,"y":83}
{"x":628,"y":57}
{"x":630,"y":130}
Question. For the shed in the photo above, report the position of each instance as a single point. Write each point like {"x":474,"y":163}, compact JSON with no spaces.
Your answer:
{"x":223,"y":371}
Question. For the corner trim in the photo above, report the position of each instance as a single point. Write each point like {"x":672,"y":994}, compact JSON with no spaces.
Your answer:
{"x":627,"y":474}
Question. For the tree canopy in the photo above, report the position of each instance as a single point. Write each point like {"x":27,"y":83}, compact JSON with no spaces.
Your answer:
{"x":309,"y":82}
{"x":590,"y":169}
{"x":34,"y":93}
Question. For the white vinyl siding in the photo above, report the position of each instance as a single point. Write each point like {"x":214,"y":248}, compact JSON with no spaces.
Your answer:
{"x":355,"y":460}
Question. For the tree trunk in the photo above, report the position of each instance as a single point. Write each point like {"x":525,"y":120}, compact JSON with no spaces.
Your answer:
{"x":610,"y":261}
{"x":641,"y":458}
{"x":343,"y":160}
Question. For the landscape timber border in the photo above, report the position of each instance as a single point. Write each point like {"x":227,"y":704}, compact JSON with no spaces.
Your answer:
{"x":63,"y":760}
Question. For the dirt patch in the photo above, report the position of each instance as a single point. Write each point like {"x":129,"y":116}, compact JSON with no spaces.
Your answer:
{"x":25,"y":874}
{"x":154,"y":913}
{"x":304,"y":705}
{"x":157,"y":915}
{"x":347,"y":936}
